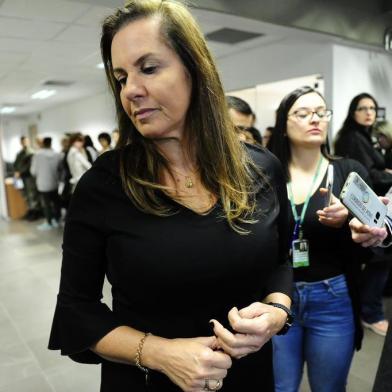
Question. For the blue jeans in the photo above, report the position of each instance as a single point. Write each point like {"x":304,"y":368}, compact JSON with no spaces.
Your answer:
{"x":322,"y":335}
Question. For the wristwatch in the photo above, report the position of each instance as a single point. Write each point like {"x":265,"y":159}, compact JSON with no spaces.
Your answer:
{"x":289,"y":320}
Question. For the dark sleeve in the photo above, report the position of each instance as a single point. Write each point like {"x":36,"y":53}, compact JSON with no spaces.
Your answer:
{"x":365,"y":153}
{"x":81,"y":319}
{"x":358,"y":167}
{"x":281,"y":279}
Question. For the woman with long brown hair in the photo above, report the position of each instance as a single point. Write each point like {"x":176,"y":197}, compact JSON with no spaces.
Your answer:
{"x":181,"y":220}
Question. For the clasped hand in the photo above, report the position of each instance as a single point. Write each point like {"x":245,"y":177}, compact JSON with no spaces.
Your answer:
{"x":252,"y":327}
{"x":190,"y":363}
{"x":335,"y":215}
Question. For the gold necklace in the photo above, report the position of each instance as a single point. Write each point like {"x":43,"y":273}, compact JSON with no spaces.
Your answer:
{"x":189,"y":183}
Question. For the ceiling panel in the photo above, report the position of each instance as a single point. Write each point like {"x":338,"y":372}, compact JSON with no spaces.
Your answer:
{"x":53,"y":10}
{"x":11,"y":58}
{"x":92,"y":59}
{"x":27,"y":29}
{"x":105,"y":3}
{"x":91,"y":35}
{"x":94,"y":16}
{"x":54,"y":51}
{"x":13,"y":45}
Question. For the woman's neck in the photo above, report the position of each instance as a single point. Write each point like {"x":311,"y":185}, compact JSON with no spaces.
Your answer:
{"x":175,"y":153}
{"x":304,"y":159}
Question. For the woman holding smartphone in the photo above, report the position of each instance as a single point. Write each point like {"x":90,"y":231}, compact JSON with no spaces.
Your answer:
{"x":326,"y":327}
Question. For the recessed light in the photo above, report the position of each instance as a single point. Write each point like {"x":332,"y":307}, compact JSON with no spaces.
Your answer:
{"x":100,"y":66}
{"x":43,"y":94}
{"x":7,"y":109}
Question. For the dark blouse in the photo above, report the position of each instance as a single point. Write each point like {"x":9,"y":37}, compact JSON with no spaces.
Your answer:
{"x":332,"y":251}
{"x":357,"y":144}
{"x":169,"y":276}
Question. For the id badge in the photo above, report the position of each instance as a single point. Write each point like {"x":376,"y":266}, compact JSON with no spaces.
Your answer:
{"x":300,"y":249}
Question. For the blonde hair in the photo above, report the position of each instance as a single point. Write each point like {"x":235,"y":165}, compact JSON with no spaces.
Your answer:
{"x":225,"y":167}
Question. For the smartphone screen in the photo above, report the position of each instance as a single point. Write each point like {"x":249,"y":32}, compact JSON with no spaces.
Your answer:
{"x":329,"y":186}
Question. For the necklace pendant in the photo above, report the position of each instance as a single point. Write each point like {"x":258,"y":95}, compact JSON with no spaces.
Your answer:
{"x":188,"y":182}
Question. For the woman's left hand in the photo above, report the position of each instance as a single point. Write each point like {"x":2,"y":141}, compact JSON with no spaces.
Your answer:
{"x":334,"y":215}
{"x":253,"y":326}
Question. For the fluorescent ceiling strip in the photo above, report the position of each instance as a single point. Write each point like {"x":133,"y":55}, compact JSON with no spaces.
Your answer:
{"x":43,"y":94}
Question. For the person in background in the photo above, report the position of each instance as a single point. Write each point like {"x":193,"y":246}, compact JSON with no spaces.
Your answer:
{"x":326,"y":328}
{"x":105,"y":140}
{"x":383,"y":132}
{"x":377,"y":237}
{"x":22,"y":166}
{"x":38,"y":142}
{"x":243,"y":118}
{"x":179,"y":177}
{"x":354,"y":141}
{"x":77,"y":158}
{"x":115,"y":137}
{"x":65,"y":176}
{"x":91,"y":151}
{"x":45,"y":168}
{"x":267,"y":136}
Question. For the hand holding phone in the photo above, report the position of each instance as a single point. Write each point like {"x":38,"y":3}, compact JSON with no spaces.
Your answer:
{"x":334,"y":214}
{"x":362,"y":202}
{"x":329,"y":186}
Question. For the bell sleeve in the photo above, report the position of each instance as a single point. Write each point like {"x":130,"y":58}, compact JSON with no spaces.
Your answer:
{"x":80,"y":318}
{"x":281,"y":280}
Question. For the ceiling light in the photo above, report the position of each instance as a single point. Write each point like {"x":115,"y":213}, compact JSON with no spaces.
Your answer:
{"x":100,"y":66}
{"x":7,"y":109}
{"x":43,"y":94}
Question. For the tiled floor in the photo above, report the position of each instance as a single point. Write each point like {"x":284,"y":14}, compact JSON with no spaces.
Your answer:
{"x":29,"y":276}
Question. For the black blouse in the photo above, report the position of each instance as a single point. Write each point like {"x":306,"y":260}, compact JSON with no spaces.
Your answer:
{"x":328,"y":247}
{"x":169,"y":275}
{"x":357,"y":144}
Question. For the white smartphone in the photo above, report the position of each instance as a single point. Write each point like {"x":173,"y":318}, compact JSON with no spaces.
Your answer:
{"x":389,"y":205}
{"x":362,"y":202}
{"x":329,"y":186}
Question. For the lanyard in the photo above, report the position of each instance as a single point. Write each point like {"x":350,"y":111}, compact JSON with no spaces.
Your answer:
{"x":300,"y":219}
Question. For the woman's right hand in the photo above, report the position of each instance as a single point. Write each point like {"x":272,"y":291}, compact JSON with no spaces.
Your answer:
{"x":190,"y":362}
{"x":368,"y":236}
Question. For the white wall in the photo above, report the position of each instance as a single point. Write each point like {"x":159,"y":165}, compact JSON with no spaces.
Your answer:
{"x":346,"y":72}
{"x":286,"y":59}
{"x":3,"y":198}
{"x":356,"y":71}
{"x":13,"y":129}
{"x":265,"y":98}
{"x":91,"y":116}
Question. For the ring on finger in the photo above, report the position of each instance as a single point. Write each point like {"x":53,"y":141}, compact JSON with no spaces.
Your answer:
{"x":208,"y":387}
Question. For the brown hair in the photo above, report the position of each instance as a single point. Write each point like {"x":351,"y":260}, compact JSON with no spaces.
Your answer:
{"x":225,"y":167}
{"x":75,"y":137}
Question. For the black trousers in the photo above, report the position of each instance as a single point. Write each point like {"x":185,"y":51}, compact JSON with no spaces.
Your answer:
{"x":383,"y":382}
{"x":51,"y":205}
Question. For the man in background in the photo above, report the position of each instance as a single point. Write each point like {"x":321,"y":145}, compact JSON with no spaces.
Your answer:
{"x":45,"y":167}
{"x":243,"y":118}
{"x":22,"y":170}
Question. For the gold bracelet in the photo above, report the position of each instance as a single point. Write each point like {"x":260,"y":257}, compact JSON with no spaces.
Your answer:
{"x":138,"y":358}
